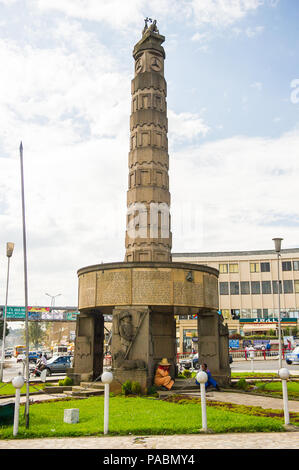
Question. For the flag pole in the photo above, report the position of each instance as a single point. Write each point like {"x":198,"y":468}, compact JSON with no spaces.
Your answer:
{"x":26,"y":291}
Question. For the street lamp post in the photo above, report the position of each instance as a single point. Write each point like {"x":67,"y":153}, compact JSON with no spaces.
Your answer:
{"x":277,"y":242}
{"x":52,"y":299}
{"x":9,"y":252}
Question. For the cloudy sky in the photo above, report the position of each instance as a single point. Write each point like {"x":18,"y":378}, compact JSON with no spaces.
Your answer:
{"x":233,"y":108}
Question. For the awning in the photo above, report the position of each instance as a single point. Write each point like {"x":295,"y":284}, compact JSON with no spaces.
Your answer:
{"x":259,"y":326}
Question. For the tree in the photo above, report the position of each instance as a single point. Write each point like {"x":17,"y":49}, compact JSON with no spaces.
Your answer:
{"x":1,"y":329}
{"x":36,"y":333}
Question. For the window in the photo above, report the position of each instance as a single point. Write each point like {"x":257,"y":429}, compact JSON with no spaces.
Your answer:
{"x":254,"y":267}
{"x":234,"y":268}
{"x":245,"y":289}
{"x":257,"y":313}
{"x":223,"y":288}
{"x":265,"y":313}
{"x":296,"y":287}
{"x":266,"y":287}
{"x":288,"y":287}
{"x":265,"y":267}
{"x":286,"y":266}
{"x":245,"y":313}
{"x":235,"y":314}
{"x":234,"y":288}
{"x":296,"y":265}
{"x":274,"y":287}
{"x":255,"y":287}
{"x":223,"y":268}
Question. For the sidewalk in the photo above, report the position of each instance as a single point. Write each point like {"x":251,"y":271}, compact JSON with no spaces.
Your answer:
{"x":275,"y":440}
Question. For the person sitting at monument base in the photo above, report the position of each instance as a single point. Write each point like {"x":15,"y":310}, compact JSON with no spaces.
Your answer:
{"x":162,"y":377}
{"x":210,"y":380}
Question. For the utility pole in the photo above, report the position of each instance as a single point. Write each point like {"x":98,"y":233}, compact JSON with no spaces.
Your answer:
{"x":26,"y":290}
{"x":9,"y":252}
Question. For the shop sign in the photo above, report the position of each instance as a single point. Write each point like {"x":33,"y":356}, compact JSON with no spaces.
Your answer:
{"x":267,"y":320}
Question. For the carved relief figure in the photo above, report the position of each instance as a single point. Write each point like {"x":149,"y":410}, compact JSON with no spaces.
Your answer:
{"x":127,"y":336}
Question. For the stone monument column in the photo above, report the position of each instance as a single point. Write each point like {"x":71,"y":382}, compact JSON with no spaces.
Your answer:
{"x":148,"y":236}
{"x":143,"y":292}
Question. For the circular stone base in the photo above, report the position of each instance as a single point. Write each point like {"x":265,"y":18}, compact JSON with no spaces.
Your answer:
{"x":160,"y":284}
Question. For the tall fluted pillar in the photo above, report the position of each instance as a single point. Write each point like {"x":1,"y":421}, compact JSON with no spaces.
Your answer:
{"x":148,"y":236}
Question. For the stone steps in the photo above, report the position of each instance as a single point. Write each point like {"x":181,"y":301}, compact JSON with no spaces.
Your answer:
{"x":85,"y":389}
{"x":97,"y":385}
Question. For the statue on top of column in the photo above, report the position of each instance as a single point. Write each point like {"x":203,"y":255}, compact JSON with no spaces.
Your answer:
{"x":153,"y":27}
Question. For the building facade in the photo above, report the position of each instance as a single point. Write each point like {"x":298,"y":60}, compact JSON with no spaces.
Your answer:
{"x":248,"y":292}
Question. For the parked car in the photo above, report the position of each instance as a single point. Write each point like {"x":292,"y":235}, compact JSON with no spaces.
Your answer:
{"x":8,"y":354}
{"x":293,"y":357}
{"x":58,"y":364}
{"x":186,"y":363}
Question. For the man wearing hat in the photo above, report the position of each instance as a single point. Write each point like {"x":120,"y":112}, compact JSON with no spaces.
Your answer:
{"x":162,"y":377}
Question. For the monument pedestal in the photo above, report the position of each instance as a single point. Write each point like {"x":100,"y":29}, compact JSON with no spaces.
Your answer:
{"x":143,"y":298}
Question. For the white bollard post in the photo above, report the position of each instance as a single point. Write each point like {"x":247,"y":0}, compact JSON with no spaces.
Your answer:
{"x":284,"y":374}
{"x":18,"y":383}
{"x":106,"y":379}
{"x":202,"y":378}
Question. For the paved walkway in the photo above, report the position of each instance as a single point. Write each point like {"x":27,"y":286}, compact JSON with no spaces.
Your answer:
{"x":252,"y":400}
{"x":277,"y":440}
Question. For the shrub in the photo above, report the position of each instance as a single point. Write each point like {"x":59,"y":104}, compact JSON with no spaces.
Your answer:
{"x":187,"y":373}
{"x":67,"y":381}
{"x":152,"y":390}
{"x":242,"y":384}
{"x":126,"y":387}
{"x":136,"y":388}
{"x":61,"y":382}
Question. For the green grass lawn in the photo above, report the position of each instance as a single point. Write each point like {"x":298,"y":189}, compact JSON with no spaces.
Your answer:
{"x":253,"y":374}
{"x":276,"y":387}
{"x":135,"y":415}
{"x":9,"y":389}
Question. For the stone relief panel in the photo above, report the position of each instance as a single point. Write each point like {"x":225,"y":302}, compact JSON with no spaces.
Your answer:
{"x":127,"y":326}
{"x":152,"y":287}
{"x":114,"y":287}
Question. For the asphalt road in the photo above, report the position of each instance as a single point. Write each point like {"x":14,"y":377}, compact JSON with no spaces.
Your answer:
{"x":258,"y":365}
{"x":15,"y":367}
{"x":267,"y":365}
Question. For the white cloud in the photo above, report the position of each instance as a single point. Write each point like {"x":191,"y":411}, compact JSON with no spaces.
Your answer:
{"x":118,"y":14}
{"x":124,"y":15}
{"x":222,"y":12}
{"x":186,"y":126}
{"x":242,"y":191}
